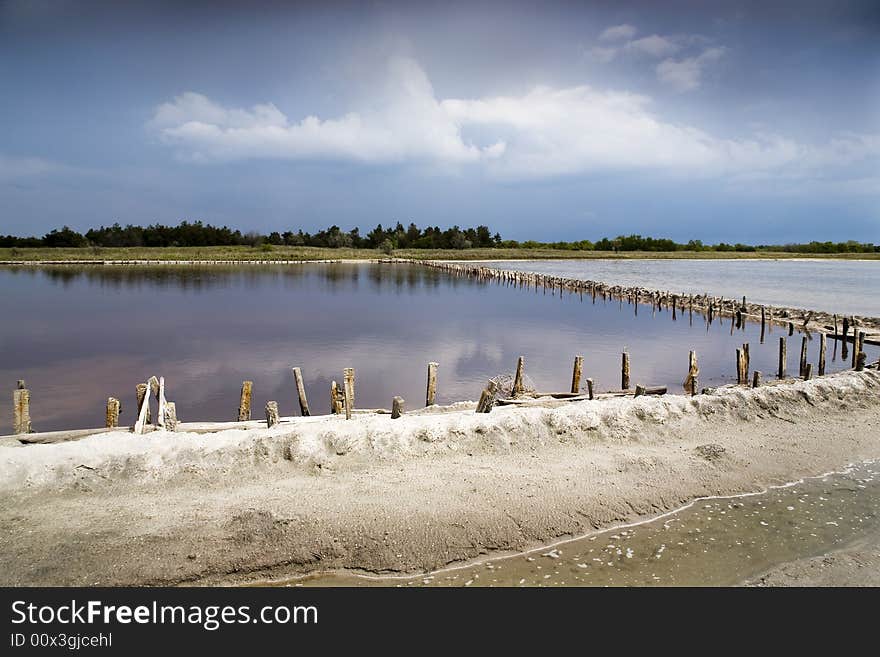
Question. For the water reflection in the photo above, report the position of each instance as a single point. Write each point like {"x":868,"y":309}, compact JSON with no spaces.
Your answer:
{"x":80,"y":334}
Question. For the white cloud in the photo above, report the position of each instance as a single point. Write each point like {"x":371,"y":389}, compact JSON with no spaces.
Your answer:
{"x":543,"y":133}
{"x":686,"y":74}
{"x":17,"y":168}
{"x":618,"y":32}
{"x":655,"y":45}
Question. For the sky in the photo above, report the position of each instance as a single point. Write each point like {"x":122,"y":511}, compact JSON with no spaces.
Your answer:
{"x":753,"y":122}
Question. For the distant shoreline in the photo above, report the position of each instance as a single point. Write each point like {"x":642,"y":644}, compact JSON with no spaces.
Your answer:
{"x":288,"y":254}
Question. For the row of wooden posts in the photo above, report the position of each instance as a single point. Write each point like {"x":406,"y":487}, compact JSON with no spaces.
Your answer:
{"x":342,"y":399}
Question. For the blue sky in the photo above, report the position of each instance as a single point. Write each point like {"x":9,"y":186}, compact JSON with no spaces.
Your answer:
{"x":750,"y":121}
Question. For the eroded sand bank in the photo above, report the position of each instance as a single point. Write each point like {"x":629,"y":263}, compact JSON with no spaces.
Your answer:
{"x":408,"y":495}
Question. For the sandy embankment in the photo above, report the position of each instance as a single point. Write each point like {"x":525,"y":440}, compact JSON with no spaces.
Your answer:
{"x":409,"y":494}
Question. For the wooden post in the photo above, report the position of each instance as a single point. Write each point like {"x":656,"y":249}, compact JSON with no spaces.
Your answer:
{"x":590,"y":388}
{"x":844,"y":347}
{"x":335,"y":405}
{"x":431,"y":393}
{"x":747,"y":362}
{"x":860,"y":361}
{"x":301,"y":392}
{"x":739,"y":366}
{"x":487,"y":398}
{"x":790,"y":329}
{"x":782,"y":358}
{"x":141,"y":393}
{"x":144,"y":410}
{"x":859,"y":347}
{"x":576,"y":373}
{"x":21,"y":411}
{"x":756,"y":379}
{"x":170,"y":416}
{"x":803,"y":368}
{"x":640,"y":390}
{"x":624,"y":371}
{"x":244,"y":404}
{"x":822,"y":343}
{"x":396,"y":407}
{"x":160,"y":396}
{"x":690,"y":382}
{"x":112,"y":417}
{"x":272,"y":417}
{"x":855,"y":351}
{"x":348,"y":390}
{"x":808,"y":371}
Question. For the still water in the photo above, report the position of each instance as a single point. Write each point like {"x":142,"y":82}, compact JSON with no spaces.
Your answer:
{"x":712,"y":542}
{"x":80,"y":335}
{"x":835,"y":286}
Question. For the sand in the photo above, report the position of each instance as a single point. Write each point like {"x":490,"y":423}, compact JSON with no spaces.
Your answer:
{"x":405,"y":495}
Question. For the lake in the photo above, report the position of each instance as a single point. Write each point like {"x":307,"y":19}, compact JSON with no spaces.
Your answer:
{"x":835,"y":286}
{"x":79,"y":334}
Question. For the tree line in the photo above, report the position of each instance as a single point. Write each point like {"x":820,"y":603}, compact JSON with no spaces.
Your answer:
{"x":196,"y":233}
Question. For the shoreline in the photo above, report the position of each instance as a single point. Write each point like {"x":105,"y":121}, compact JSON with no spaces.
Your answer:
{"x":242,"y":506}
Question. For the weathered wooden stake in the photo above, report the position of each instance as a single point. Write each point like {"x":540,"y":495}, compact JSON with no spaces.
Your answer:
{"x":860,"y":361}
{"x":756,"y":379}
{"x":576,"y":373}
{"x":487,"y":398}
{"x":739,"y":366}
{"x":144,"y":410}
{"x":590,"y":388}
{"x":112,"y":417}
{"x":431,"y":393}
{"x":808,"y":371}
{"x":170,"y":416}
{"x":160,"y":396}
{"x":640,"y":390}
{"x":822,"y":343}
{"x":624,"y":371}
{"x":690,"y":383}
{"x":844,"y":347}
{"x":803,"y":368}
{"x":244,"y":403}
{"x":335,"y":404}
{"x":141,"y":392}
{"x":348,"y":390}
{"x":396,"y":407}
{"x":272,"y":417}
{"x":21,"y":411}
{"x":301,"y":392}
{"x":782,"y":358}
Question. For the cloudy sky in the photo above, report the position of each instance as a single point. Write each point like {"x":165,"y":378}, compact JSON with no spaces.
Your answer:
{"x":736,"y":121}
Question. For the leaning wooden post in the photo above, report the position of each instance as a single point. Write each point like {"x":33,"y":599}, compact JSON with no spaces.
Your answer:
{"x":112,"y":417}
{"x":272,"y":417}
{"x":756,"y":379}
{"x":803,"y":368}
{"x":431,"y":393}
{"x":21,"y":402}
{"x":348,"y":390}
{"x":590,"y":388}
{"x":624,"y":371}
{"x":576,"y":373}
{"x":822,"y":343}
{"x":782,"y":358}
{"x":487,"y":397}
{"x":143,"y":412}
{"x":141,"y":393}
{"x":301,"y":392}
{"x":396,"y":407}
{"x":244,"y":404}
